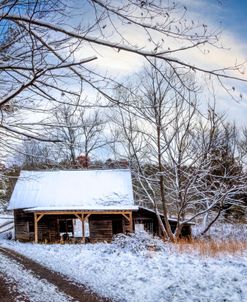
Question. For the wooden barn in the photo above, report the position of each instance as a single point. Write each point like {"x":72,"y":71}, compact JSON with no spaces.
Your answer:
{"x":78,"y":205}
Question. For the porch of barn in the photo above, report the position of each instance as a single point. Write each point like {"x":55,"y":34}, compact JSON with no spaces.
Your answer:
{"x":69,"y":226}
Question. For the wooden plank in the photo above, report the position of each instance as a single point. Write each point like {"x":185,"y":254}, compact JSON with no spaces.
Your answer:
{"x":22,"y":222}
{"x":100,"y":230}
{"x":129,"y":224}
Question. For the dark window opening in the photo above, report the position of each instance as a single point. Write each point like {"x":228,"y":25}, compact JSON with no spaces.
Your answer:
{"x":65,"y":226}
{"x":31,"y":226}
{"x":117,"y":226}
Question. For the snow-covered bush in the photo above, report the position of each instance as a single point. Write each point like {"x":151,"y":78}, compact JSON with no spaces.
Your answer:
{"x":136,"y":242}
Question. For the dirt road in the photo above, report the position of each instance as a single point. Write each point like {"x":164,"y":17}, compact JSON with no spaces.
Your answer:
{"x":8,"y":292}
{"x":9,"y":289}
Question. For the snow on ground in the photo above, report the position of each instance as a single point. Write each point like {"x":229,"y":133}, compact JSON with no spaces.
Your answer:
{"x":128,"y":270}
{"x":6,"y":218}
{"x":35,"y":289}
{"x":6,"y":225}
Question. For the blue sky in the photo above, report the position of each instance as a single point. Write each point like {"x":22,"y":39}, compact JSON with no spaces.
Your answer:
{"x":234,"y":16}
{"x":229,"y":14}
{"x":231,"y":17}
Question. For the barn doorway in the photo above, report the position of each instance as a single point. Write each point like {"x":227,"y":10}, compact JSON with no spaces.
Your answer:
{"x":65,"y":228}
{"x":117,"y":226}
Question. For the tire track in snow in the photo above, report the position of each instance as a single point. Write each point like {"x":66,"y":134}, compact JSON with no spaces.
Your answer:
{"x":25,"y":285}
{"x":68,"y":289}
{"x":8,"y":291}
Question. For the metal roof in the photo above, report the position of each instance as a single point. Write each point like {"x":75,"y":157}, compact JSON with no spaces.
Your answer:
{"x":70,"y":189}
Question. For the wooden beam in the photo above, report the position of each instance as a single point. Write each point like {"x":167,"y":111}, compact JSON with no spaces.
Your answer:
{"x":127,"y":217}
{"x":78,"y":216}
{"x":79,"y":212}
{"x":39,"y":217}
{"x":87,"y":216}
{"x":35,"y":228}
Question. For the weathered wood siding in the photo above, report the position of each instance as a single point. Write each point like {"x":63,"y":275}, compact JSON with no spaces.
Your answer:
{"x":148,"y":219}
{"x":48,"y":226}
{"x":103,"y":227}
{"x":48,"y":229}
{"x":24,"y":225}
{"x":100,"y":230}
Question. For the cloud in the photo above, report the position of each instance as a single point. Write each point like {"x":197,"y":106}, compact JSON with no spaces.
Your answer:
{"x":118,"y":63}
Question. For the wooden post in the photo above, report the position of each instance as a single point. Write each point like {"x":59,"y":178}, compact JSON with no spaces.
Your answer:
{"x":37,"y":218}
{"x":35,"y":228}
{"x":131,"y":222}
{"x":83,"y":228}
{"x":128,"y":217}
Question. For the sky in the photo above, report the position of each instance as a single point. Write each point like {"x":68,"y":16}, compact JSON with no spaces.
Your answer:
{"x":228,"y":16}
{"x":234,"y":17}
{"x":231,"y":17}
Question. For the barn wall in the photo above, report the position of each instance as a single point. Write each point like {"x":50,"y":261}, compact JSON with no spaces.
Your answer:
{"x":103,"y":227}
{"x":148,"y":219}
{"x":24,"y":225}
{"x":48,"y":229}
{"x":100,"y":229}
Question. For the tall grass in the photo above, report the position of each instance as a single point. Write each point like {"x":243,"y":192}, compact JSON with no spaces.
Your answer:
{"x":212,"y":247}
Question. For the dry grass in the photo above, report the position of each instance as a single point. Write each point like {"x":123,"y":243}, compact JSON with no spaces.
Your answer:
{"x":212,"y":248}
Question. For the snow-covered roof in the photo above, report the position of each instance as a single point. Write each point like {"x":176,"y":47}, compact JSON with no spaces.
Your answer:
{"x":73,"y":190}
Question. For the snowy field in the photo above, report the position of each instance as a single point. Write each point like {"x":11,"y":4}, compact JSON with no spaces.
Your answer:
{"x":128,"y":270}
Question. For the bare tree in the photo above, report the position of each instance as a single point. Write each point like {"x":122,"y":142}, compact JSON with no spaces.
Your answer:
{"x":182,"y":170}
{"x":79,"y":130}
{"x":33,"y":154}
